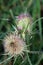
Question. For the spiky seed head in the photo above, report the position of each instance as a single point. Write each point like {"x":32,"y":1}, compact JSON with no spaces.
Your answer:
{"x":13,"y":44}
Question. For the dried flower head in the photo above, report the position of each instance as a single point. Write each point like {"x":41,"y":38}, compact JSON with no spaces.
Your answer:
{"x":13,"y":44}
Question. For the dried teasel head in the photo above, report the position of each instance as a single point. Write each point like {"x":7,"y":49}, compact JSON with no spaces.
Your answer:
{"x":13,"y":44}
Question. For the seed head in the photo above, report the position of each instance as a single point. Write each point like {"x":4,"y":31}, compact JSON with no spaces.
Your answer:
{"x":24,"y":20}
{"x":13,"y":44}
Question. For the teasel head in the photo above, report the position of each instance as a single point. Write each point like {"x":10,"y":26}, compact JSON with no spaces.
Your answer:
{"x":24,"y":21}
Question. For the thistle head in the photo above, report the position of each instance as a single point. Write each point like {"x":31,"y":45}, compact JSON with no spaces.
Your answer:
{"x":24,"y":20}
{"x":13,"y":44}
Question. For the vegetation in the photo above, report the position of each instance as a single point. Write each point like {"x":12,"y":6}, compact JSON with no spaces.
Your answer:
{"x":9,"y":11}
